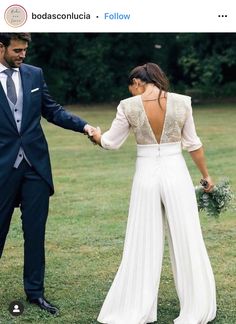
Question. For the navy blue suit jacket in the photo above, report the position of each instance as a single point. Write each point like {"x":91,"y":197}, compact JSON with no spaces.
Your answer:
{"x":31,"y":138}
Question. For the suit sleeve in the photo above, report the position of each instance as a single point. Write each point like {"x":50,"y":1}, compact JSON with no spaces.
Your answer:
{"x":56,"y":114}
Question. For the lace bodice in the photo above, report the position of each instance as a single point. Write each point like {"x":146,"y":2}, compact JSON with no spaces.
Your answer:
{"x":178,"y":124}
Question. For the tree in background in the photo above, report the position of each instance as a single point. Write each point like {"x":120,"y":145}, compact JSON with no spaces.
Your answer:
{"x":208,"y":62}
{"x":93,"y":67}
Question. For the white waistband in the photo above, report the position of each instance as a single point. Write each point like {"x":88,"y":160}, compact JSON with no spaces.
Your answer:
{"x":158,"y":149}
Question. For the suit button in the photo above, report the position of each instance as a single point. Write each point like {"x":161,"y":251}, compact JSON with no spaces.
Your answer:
{"x":20,"y":155}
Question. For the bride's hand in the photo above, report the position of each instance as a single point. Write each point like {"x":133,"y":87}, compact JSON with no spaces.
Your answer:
{"x":209,"y":184}
{"x":96,"y":136}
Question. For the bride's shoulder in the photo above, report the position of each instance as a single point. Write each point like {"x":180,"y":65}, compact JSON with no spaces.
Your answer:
{"x":130,"y":100}
{"x":132,"y":108}
{"x":180,"y":97}
{"x":131,"y":104}
{"x":180,"y":100}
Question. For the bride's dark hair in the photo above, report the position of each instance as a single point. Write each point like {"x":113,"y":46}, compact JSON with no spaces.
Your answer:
{"x":150,"y":73}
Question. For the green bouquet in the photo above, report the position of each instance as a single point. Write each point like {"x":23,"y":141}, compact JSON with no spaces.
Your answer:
{"x":216,"y":201}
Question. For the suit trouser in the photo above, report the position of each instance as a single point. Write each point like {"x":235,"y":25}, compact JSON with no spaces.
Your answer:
{"x":33,"y":192}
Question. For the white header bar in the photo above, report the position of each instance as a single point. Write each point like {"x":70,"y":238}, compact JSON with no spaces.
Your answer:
{"x":118,"y":16}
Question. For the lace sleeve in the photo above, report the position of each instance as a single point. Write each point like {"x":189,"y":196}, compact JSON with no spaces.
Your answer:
{"x":118,"y":133}
{"x":190,"y":140}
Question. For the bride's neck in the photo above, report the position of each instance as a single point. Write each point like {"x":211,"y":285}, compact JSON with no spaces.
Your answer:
{"x":151,"y":90}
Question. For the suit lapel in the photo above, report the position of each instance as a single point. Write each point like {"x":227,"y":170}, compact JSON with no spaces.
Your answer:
{"x":26,"y":88}
{"x":5,"y":106}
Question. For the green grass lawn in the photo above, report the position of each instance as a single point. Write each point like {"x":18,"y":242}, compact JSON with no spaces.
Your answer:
{"x":87,"y":221}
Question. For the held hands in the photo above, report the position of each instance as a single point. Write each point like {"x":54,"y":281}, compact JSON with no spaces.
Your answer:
{"x":88,"y":130}
{"x":94,"y":134}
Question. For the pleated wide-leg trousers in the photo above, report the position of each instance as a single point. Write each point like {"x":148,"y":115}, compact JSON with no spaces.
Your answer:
{"x":162,"y":193}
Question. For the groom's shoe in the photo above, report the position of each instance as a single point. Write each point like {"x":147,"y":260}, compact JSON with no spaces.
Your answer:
{"x":44,"y":304}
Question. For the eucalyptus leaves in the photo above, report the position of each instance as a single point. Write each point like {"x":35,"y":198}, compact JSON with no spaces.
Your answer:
{"x":217,"y":201}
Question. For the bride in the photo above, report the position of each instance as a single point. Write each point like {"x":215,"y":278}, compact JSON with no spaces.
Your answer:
{"x":162,"y":196}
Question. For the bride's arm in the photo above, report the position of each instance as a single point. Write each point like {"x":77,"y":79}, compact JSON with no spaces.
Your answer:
{"x":116,"y":135}
{"x":199,"y":159}
{"x":193,"y":144}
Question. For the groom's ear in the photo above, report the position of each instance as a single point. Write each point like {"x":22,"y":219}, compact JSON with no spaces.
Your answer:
{"x":2,"y":48}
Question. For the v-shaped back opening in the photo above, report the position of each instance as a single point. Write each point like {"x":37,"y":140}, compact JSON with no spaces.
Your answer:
{"x":162,"y":127}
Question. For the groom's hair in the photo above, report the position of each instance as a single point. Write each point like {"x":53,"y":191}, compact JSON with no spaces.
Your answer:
{"x":5,"y":38}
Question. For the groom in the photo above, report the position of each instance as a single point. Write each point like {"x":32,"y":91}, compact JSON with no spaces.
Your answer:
{"x":25,"y":170}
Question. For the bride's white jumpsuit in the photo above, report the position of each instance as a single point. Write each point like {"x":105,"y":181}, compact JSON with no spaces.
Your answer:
{"x":162,"y":193}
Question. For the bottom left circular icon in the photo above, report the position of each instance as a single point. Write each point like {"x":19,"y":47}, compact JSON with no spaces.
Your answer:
{"x":16,"y":308}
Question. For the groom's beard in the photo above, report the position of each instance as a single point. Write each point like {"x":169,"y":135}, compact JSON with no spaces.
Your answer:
{"x":12,"y":63}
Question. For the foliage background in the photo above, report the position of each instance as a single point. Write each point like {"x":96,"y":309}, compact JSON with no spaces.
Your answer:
{"x":93,"y":67}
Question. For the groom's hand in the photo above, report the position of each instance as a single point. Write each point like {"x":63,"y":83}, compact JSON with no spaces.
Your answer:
{"x":88,"y":130}
{"x":94,"y":134}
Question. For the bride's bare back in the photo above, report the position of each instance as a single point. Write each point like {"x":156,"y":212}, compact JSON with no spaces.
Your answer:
{"x":155,"y":114}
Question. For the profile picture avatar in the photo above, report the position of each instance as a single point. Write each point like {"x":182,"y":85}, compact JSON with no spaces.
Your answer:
{"x":15,"y":16}
{"x":16,"y":308}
